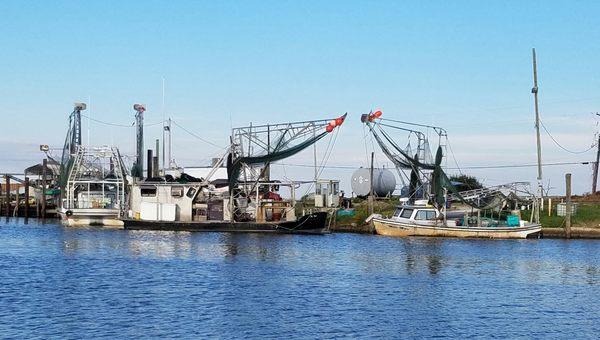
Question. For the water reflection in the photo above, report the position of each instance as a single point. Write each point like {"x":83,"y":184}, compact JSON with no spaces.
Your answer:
{"x":215,"y":285}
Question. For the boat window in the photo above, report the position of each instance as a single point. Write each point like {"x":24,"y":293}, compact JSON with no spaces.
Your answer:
{"x":191,"y":192}
{"x":148,"y":191}
{"x":425,"y":215}
{"x":406,"y":213}
{"x":397,"y":212}
{"x":177,"y":191}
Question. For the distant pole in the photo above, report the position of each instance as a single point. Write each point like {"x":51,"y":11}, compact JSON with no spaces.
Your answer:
{"x":568,"y":212}
{"x":170,"y":158}
{"x":163,"y":124}
{"x":534,"y":90}
{"x":26,"y":212}
{"x":44,"y":167}
{"x":7,"y":195}
{"x":371,"y":186}
{"x":595,"y":179}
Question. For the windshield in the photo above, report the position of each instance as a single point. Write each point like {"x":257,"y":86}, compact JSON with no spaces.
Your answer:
{"x":406,"y":213}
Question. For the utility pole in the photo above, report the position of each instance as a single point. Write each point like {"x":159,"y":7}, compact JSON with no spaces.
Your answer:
{"x":534,"y":90}
{"x":595,"y":178}
{"x":371,"y":186}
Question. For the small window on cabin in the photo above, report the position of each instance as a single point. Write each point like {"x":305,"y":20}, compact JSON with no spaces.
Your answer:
{"x":148,"y":191}
{"x":431,"y":215}
{"x":176,"y":191}
{"x":336,"y":188}
{"x":318,"y":189}
{"x":397,"y":213}
{"x":421,"y":215}
{"x":406,"y":213}
{"x":191,"y":192}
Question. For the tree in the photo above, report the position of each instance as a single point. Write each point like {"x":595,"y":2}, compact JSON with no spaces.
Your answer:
{"x":465,"y":182}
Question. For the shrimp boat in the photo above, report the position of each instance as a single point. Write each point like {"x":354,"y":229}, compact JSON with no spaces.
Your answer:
{"x":428,"y":215}
{"x":92,"y":179}
{"x":247,"y":200}
{"x":417,"y":220}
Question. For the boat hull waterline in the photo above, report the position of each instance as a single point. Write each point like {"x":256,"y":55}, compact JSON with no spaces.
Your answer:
{"x":314,"y":224}
{"x":388,"y":227}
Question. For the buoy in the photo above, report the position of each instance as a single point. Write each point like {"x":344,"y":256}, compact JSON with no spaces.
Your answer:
{"x":339,"y":121}
{"x":332,"y":123}
{"x":377,"y":114}
{"x":329,"y":128}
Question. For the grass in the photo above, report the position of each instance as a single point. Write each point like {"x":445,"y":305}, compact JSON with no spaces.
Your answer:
{"x":588,"y":214}
{"x":361,"y":209}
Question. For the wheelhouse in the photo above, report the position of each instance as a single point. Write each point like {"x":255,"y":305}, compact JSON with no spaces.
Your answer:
{"x":416,"y":213}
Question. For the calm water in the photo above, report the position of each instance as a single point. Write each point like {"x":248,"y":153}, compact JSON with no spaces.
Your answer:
{"x":73,"y":283}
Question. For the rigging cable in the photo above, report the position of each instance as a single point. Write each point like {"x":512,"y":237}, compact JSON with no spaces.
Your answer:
{"x":453,"y":156}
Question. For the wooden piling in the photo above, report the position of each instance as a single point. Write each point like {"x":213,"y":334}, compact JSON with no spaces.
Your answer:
{"x":371,"y":186}
{"x":7,"y":195}
{"x":26,"y":212}
{"x":17,"y":200}
{"x":44,"y":167}
{"x":568,"y":207}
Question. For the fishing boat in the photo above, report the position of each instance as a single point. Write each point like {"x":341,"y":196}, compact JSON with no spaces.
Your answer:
{"x":437,"y":191}
{"x":248,"y":200}
{"x":94,"y":192}
{"x":93,"y":180}
{"x":415,"y":220}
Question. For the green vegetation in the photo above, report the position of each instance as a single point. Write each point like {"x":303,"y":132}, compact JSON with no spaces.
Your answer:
{"x":361,"y":209}
{"x":588,"y":214}
{"x":468,"y":182}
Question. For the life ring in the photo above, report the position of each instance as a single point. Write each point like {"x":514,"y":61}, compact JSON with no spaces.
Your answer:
{"x":69,"y":213}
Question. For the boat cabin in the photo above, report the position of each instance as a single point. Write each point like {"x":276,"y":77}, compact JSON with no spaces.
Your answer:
{"x":417,"y":213}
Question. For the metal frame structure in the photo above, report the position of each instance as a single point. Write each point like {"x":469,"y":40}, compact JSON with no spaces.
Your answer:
{"x":259,"y":142}
{"x":96,"y":166}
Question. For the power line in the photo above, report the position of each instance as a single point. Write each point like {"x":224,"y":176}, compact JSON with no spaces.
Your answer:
{"x":473,"y":167}
{"x":562,"y":147}
{"x":106,"y":123}
{"x":195,"y":135}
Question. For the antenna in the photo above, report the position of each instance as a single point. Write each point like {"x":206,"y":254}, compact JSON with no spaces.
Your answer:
{"x":163,"y":124}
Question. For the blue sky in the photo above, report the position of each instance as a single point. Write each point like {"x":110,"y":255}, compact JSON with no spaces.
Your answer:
{"x":465,"y":65}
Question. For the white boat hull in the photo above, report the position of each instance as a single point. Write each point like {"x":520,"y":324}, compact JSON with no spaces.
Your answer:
{"x":389,"y":227}
{"x":88,"y":217}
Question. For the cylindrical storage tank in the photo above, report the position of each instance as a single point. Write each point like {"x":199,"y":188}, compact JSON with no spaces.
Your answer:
{"x":384,"y":182}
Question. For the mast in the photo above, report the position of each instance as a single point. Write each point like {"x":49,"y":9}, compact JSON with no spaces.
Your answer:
{"x":534,"y":90}
{"x":138,"y":168}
